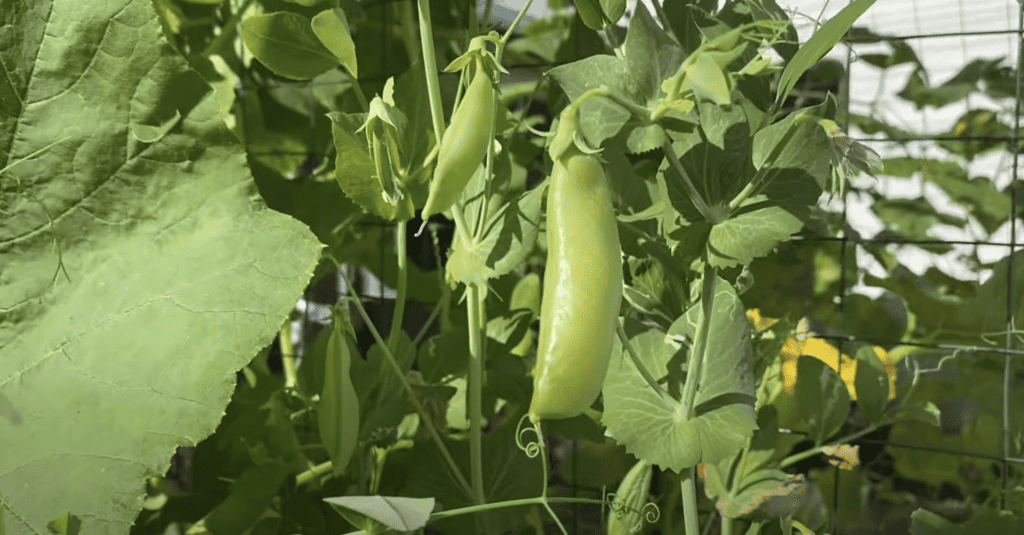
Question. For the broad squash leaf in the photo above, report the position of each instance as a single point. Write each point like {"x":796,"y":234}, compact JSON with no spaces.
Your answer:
{"x":138,"y":274}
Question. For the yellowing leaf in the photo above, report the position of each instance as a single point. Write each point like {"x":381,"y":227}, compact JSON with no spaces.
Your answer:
{"x":800,"y":342}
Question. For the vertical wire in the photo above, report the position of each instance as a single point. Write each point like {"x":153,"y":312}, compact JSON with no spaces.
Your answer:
{"x":847,"y":82}
{"x":1008,"y":368}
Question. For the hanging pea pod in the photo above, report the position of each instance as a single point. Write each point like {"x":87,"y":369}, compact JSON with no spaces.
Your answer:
{"x":382,"y":124}
{"x":582,"y":281}
{"x":465,"y":142}
{"x":627,"y":514}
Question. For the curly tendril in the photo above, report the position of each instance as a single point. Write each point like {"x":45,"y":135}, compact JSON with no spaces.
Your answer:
{"x":651,"y":512}
{"x":531,"y":449}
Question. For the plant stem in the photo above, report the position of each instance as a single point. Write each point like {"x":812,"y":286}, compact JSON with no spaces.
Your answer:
{"x":430,"y":320}
{"x":403,"y":276}
{"x":313,"y":473}
{"x":651,"y":381}
{"x":755,"y":184}
{"x":474,"y":392}
{"x":696,"y":360}
{"x":288,"y":356}
{"x":446,"y":292}
{"x":510,"y":503}
{"x":727,"y":525}
{"x":691,"y":515}
{"x":695,"y":197}
{"x":360,"y":96}
{"x":693,"y":373}
{"x":502,"y":505}
{"x":430,"y":68}
{"x":797,"y":457}
{"x":512,"y":27}
{"x":424,"y":417}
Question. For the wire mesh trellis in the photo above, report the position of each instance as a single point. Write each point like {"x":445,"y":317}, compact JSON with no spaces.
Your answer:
{"x":990,"y":21}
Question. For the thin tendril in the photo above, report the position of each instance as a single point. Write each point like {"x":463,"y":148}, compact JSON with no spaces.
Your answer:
{"x":533,"y":449}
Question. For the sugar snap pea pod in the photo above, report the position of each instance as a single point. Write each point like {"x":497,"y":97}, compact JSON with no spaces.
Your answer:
{"x":582,"y":286}
{"x":627,"y":515}
{"x":463,"y":145}
{"x":526,"y":295}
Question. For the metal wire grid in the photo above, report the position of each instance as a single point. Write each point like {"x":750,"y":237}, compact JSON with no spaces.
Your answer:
{"x":933,"y":31}
{"x":983,"y":19}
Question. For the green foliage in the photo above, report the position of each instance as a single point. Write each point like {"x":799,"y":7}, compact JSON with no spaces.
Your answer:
{"x":161,"y":247}
{"x":724,"y":412}
{"x":143,"y":277}
{"x":819,"y":44}
{"x":338,"y":411}
{"x":821,"y":397}
{"x":289,"y":44}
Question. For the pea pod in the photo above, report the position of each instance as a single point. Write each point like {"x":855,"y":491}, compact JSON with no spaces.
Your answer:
{"x":627,"y":514}
{"x":582,"y":286}
{"x":526,"y":295}
{"x":463,"y":145}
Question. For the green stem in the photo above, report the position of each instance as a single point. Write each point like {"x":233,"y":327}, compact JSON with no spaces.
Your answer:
{"x":360,"y":96}
{"x":288,"y":356}
{"x":544,"y":468}
{"x":691,"y":516}
{"x":797,"y":457}
{"x":511,"y":503}
{"x":475,"y":392}
{"x":424,"y":417}
{"x":755,"y":183}
{"x":727,"y":525}
{"x":430,"y":68}
{"x":446,"y":292}
{"x":314,"y":473}
{"x":403,"y":276}
{"x":461,"y":225}
{"x":512,"y":27}
{"x":693,"y":373}
{"x":430,"y":320}
{"x":695,"y":197}
{"x":647,"y":375}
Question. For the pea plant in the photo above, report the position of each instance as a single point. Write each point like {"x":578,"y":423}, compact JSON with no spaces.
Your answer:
{"x":593,"y":299}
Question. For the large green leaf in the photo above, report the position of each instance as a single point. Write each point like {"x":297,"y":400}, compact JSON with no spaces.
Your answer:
{"x":287,"y":44}
{"x":508,"y":237}
{"x":653,"y":427}
{"x":171,"y":273}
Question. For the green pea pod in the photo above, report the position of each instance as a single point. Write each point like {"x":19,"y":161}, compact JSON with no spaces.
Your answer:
{"x":463,"y":145}
{"x":582,"y":288}
{"x":627,"y":515}
{"x":526,"y":295}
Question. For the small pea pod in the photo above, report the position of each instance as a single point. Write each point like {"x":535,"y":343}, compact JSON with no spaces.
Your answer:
{"x":526,"y":295}
{"x":463,"y":145}
{"x":582,"y":286}
{"x":627,"y":514}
